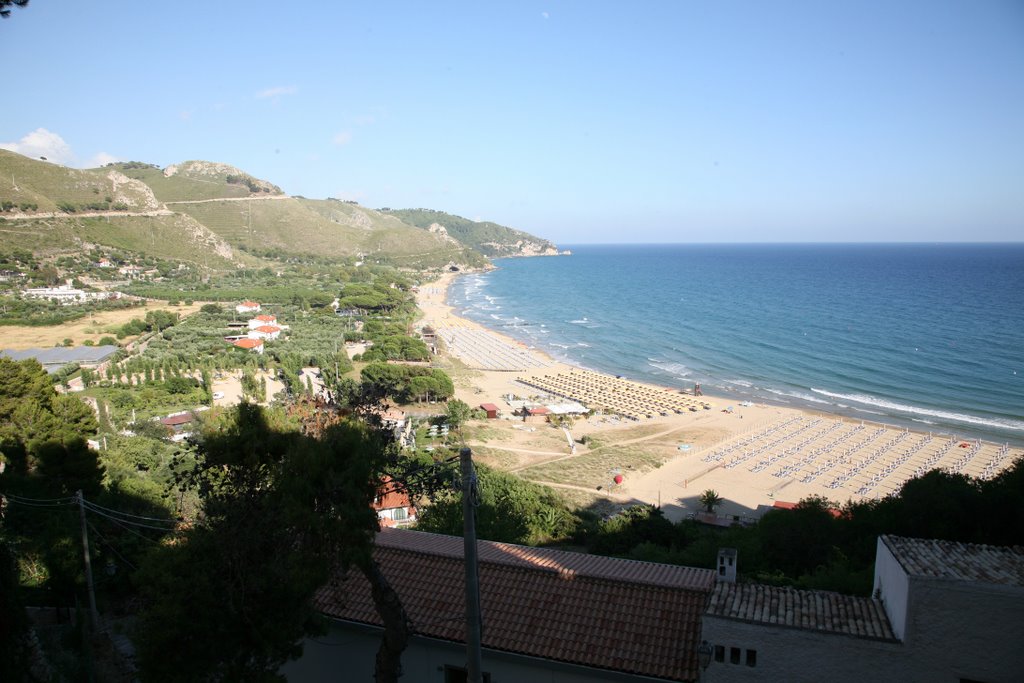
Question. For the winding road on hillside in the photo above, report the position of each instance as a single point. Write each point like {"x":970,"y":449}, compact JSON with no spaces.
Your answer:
{"x":19,"y":216}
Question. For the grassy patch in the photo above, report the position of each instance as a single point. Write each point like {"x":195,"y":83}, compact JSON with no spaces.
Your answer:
{"x":498,"y":459}
{"x":595,"y":468}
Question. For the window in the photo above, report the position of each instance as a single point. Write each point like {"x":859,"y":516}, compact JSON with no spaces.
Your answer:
{"x":751,"y":657}
{"x":719,"y":653}
{"x":458,"y":674}
{"x":400,"y":514}
{"x":734,"y":655}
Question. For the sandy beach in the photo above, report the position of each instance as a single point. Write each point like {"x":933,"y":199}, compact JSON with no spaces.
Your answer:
{"x":668,"y":447}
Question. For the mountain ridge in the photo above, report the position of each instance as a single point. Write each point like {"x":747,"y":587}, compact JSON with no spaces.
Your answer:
{"x":204,"y":209}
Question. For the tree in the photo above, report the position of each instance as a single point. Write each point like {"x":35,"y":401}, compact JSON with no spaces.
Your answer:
{"x":710,"y":500}
{"x":510,"y":510}
{"x":282,"y":506}
{"x":458,"y":412}
{"x":6,"y":4}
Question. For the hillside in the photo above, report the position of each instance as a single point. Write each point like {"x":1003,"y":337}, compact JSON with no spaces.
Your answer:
{"x":197,"y":180}
{"x":50,"y":209}
{"x":490,"y":239}
{"x":220,"y":217}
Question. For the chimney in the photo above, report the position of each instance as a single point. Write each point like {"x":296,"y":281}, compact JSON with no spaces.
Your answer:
{"x":727,"y":565}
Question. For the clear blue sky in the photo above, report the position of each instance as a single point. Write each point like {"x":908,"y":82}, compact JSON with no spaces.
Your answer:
{"x":670,"y":121}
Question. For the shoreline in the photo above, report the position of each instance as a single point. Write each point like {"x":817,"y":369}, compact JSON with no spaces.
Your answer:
{"x":686,"y":444}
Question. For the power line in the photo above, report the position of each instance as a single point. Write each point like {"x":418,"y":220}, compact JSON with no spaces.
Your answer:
{"x":127,"y":514}
{"x":109,"y":545}
{"x":37,"y":502}
{"x":130,"y":530}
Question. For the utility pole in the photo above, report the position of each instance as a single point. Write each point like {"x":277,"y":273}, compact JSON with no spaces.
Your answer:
{"x":93,"y":615}
{"x":474,"y":660}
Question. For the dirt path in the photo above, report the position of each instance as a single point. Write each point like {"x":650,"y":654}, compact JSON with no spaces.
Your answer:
{"x":228,"y":199}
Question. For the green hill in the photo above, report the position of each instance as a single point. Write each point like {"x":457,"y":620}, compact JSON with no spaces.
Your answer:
{"x":490,"y":239}
{"x":219,"y":217}
{"x":197,"y":180}
{"x":40,"y":186}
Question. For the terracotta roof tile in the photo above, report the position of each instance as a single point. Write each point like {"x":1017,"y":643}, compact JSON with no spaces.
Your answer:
{"x":811,"y":610}
{"x":958,"y":561}
{"x":608,"y":613}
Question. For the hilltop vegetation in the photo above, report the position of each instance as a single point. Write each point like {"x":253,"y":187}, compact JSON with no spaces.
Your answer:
{"x":218,"y":217}
{"x":490,"y":239}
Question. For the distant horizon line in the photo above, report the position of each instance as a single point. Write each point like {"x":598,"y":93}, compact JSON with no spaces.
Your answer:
{"x":794,"y":243}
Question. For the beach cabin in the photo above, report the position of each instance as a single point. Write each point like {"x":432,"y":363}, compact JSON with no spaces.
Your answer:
{"x":535,"y":413}
{"x":490,"y":409}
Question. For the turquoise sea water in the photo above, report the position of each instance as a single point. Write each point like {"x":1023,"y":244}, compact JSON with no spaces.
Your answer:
{"x":926,"y":336}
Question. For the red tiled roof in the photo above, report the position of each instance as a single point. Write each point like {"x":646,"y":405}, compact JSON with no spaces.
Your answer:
{"x":249,"y":304}
{"x":488,"y":406}
{"x":608,"y":613}
{"x":268,"y":329}
{"x":389,"y":497}
{"x":265,"y":317}
{"x":811,"y":610}
{"x":173,"y":420}
{"x":539,"y":410}
{"x":248,"y":343}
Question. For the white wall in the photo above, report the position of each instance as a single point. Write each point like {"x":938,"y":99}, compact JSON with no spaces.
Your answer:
{"x":798,"y":655}
{"x":892,"y":586}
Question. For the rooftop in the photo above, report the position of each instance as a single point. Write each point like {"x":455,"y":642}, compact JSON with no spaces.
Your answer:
{"x":248,"y":343}
{"x":958,"y":561}
{"x":810,"y":610}
{"x":52,"y":358}
{"x":608,"y":613}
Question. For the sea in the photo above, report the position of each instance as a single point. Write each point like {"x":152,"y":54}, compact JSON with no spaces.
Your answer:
{"x":924,"y":336}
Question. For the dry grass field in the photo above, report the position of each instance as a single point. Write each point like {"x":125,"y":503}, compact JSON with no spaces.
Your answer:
{"x":94,"y":327}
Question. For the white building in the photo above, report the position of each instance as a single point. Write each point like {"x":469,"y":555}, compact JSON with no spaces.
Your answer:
{"x":64,"y":294}
{"x":248,"y":307}
{"x":940,"y":612}
{"x":269,"y":332}
{"x":261,"y":320}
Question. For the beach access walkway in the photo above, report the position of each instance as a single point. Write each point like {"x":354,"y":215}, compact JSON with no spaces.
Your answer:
{"x":865,"y":460}
{"x":630,"y":399}
{"x":482,"y":350}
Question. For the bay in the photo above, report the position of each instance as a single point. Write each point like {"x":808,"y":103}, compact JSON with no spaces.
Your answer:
{"x":929,"y":336}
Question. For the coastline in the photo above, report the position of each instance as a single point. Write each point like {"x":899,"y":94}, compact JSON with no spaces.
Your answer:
{"x":753,"y":455}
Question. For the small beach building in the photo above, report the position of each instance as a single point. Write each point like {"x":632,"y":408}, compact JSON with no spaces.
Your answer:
{"x":490,"y":409}
{"x":535,"y":413}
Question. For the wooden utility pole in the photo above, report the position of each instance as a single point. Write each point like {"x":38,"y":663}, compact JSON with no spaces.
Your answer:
{"x":93,"y":614}
{"x":474,"y":660}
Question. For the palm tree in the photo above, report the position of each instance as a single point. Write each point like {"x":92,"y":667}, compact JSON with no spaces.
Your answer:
{"x":710,"y":500}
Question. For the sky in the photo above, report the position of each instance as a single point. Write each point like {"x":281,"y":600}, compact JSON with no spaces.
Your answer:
{"x":581,"y":122}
